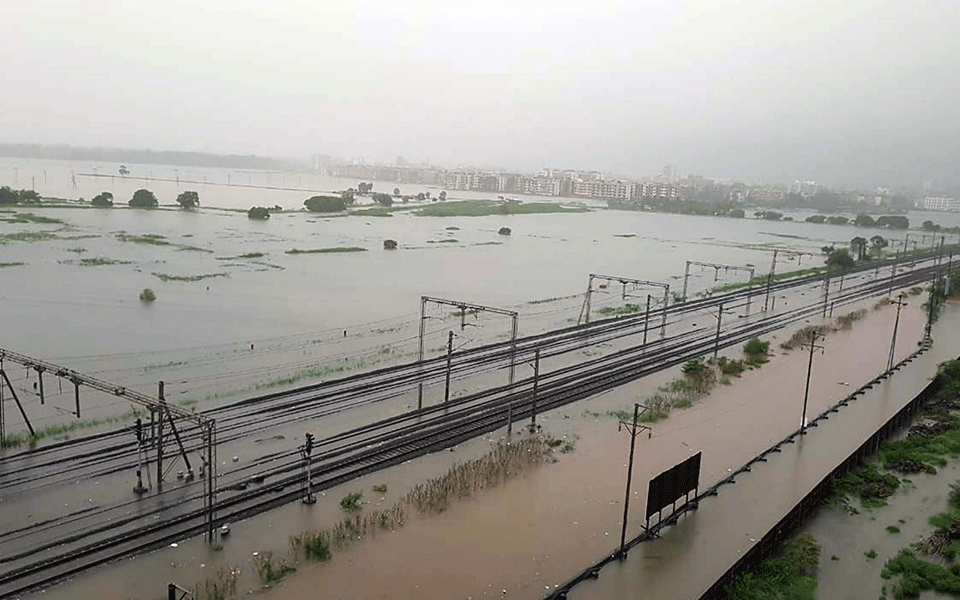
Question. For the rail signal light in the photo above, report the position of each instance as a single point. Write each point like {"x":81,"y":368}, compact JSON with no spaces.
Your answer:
{"x":308,"y":447}
{"x":139,"y":430}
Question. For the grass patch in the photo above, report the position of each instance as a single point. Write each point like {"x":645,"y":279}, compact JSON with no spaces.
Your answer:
{"x":870,"y":553}
{"x":448,"y":241}
{"x":652,"y":416}
{"x":893,"y":529}
{"x":99,"y":262}
{"x":167,"y":277}
{"x":789,"y":575}
{"x":867,"y":484}
{"x":151,"y":239}
{"x":312,"y":545}
{"x":918,"y":576}
{"x":483,"y":208}
{"x":53,"y":431}
{"x":333,"y":250}
{"x":380,"y":489}
{"x":272,"y":570}
{"x":32,"y":218}
{"x":351,"y":502}
{"x":617,"y":311}
{"x":28,"y":236}
{"x":4,"y":265}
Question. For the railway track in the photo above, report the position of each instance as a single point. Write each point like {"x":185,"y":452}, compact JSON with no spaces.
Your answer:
{"x":390,"y":441}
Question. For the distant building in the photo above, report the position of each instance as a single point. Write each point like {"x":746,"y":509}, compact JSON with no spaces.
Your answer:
{"x":940,"y":203}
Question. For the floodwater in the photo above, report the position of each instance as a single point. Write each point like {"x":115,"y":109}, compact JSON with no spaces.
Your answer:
{"x":280,"y":320}
{"x":540,"y":529}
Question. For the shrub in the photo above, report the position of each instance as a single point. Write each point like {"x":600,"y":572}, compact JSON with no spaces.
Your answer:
{"x":147,"y":295}
{"x":143,"y":199}
{"x":103,"y":200}
{"x":756,"y":347}
{"x":188,"y":199}
{"x":351,"y":502}
{"x":389,"y":244}
{"x":505,"y":231}
{"x":258,"y":212}
{"x":325,"y":204}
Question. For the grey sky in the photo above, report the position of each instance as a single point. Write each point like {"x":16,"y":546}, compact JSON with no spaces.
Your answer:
{"x":856,"y":92}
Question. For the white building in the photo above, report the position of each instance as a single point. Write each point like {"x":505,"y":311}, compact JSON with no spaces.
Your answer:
{"x":940,"y":203}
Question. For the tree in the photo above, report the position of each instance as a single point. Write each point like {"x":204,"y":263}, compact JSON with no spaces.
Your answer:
{"x":421,"y":196}
{"x":878,"y":243}
{"x":893,"y":222}
{"x":188,"y":199}
{"x":103,"y":200}
{"x":389,"y":244}
{"x":29,"y":196}
{"x":384,"y":199}
{"x":771,"y":215}
{"x":348,"y":197}
{"x":143,"y":199}
{"x":364,"y":188}
{"x":8,"y":196}
{"x":443,"y":196}
{"x":504,"y":231}
{"x":259,"y":213}
{"x":837,"y":220}
{"x":123,"y":170}
{"x":858,"y":246}
{"x":816,"y":219}
{"x":396,"y":192}
{"x":324,"y":204}
{"x":840,"y":258}
{"x":930,"y":226}
{"x":864,"y":220}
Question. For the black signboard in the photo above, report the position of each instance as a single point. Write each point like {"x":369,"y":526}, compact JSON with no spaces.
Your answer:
{"x":677,"y":481}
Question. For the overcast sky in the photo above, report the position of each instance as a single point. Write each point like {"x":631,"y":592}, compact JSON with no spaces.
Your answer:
{"x":851,"y":92}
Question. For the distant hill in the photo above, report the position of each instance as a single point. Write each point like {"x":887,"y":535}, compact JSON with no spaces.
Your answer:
{"x":153,"y":157}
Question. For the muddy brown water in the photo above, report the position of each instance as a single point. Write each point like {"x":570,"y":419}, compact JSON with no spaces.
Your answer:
{"x":540,"y":529}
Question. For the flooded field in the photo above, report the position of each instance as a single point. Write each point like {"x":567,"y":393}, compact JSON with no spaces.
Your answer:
{"x":238,"y":312}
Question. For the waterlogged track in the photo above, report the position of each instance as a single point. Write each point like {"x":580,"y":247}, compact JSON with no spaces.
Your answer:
{"x":44,"y":552}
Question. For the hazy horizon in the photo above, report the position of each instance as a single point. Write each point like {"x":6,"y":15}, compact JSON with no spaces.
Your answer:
{"x":855,"y":95}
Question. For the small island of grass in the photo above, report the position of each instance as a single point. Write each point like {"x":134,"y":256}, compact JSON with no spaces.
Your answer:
{"x":483,"y":208}
{"x":335,"y":249}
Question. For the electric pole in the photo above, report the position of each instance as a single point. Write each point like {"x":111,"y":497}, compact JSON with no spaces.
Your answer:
{"x":536,"y":384}
{"x":305,"y":451}
{"x":814,"y":336}
{"x":138,"y":426}
{"x":893,"y":342}
{"x":716,"y":340}
{"x":446,"y":389}
{"x":633,"y":428}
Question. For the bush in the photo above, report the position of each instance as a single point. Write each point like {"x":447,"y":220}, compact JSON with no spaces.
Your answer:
{"x":351,"y":502}
{"x":188,"y":199}
{"x":389,"y":244}
{"x":143,"y":199}
{"x":504,"y":231}
{"x":259,"y":213}
{"x":755,"y":347}
{"x":103,"y":200}
{"x":384,"y":199}
{"x":147,"y":295}
{"x":325,"y":204}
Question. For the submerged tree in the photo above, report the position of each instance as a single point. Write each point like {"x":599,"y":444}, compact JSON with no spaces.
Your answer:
{"x":258,"y":212}
{"x":859,"y":247}
{"x":325,"y":204}
{"x":188,"y":200}
{"x":103,"y":200}
{"x":839,"y":258}
{"x":143,"y":199}
{"x":879,"y":243}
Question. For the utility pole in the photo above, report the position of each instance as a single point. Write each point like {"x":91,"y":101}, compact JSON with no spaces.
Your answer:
{"x":893,"y":342}
{"x":633,"y":428}
{"x":826,"y":293}
{"x":646,"y":321}
{"x":773,"y":268}
{"x":305,"y":451}
{"x":814,"y":336}
{"x":536,"y":384}
{"x":446,"y":389}
{"x":159,"y":440}
{"x":716,"y":340}
{"x":423,"y":325}
{"x":138,"y":429}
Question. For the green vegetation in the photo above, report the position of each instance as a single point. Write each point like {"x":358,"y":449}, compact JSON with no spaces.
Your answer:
{"x":28,"y":236}
{"x":335,"y":249}
{"x":143,"y":199}
{"x":618,"y":311}
{"x":325,"y":204}
{"x":20,"y":217}
{"x":918,"y":576}
{"x":373,"y":212}
{"x":762,"y":280}
{"x":100,"y":261}
{"x":380,"y":489}
{"x":504,"y":231}
{"x":10,"y":196}
{"x":893,"y":529}
{"x":62,"y":430}
{"x":147,"y":295}
{"x":870,"y":553}
{"x":389,"y":244}
{"x":151,"y":239}
{"x":351,"y":502}
{"x":791,"y":575}
{"x":312,"y":545}
{"x":482,"y":208}
{"x":270,"y":570}
{"x":188,"y":278}
{"x":188,"y":200}
{"x":446,"y":241}
{"x":102,"y":200}
{"x":4,"y":265}
{"x":867,"y":484}
{"x":259,"y":213}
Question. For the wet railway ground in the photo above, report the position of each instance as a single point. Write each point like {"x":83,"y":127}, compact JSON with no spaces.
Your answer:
{"x":538,"y":530}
